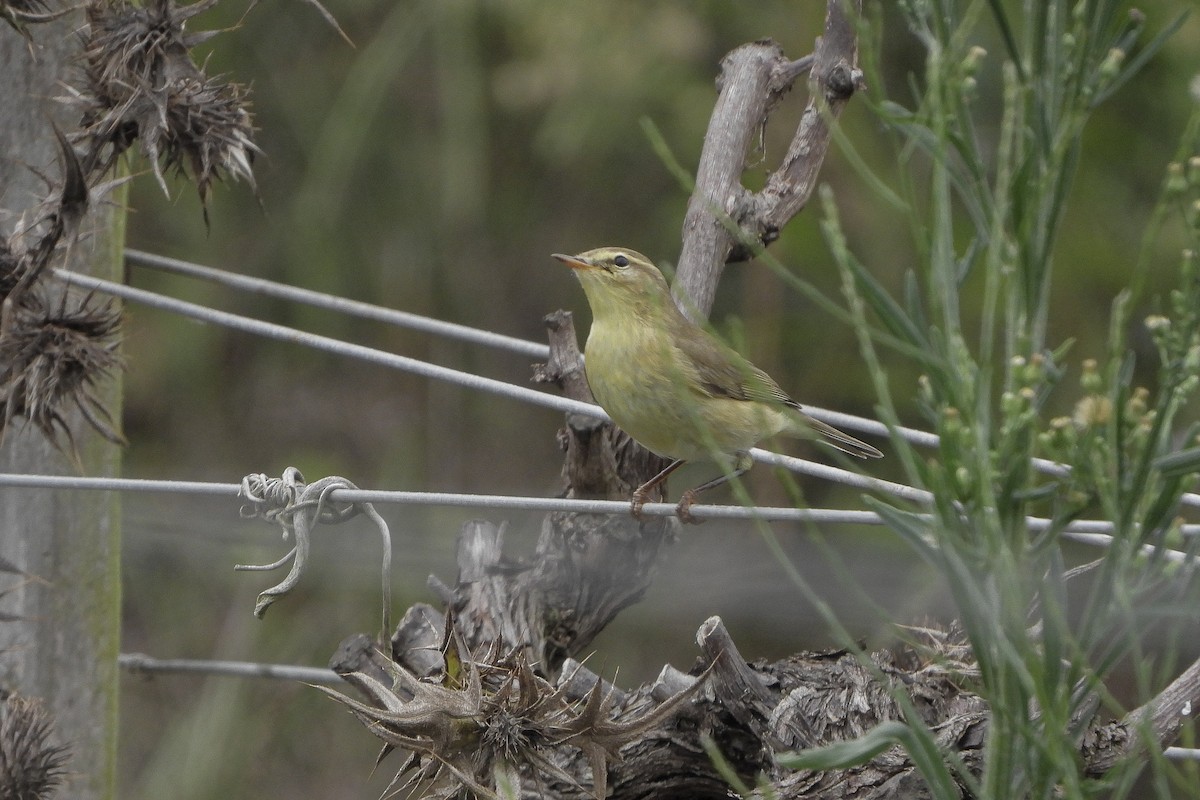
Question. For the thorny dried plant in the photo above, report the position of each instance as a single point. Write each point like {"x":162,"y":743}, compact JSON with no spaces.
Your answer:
{"x":943,"y":650}
{"x":25,"y":254}
{"x":142,"y":84}
{"x":490,"y":716}
{"x":139,"y":83}
{"x":53,"y":353}
{"x":50,"y":362}
{"x":32,"y":765}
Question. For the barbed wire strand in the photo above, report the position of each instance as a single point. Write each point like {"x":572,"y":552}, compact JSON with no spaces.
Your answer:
{"x":328,"y":344}
{"x":141,"y":664}
{"x":341,"y":305}
{"x":1182,"y":753}
{"x":489,"y":338}
{"x":1092,"y":532}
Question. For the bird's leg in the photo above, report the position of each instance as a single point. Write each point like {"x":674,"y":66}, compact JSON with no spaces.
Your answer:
{"x":642,"y":493}
{"x":740,"y":467}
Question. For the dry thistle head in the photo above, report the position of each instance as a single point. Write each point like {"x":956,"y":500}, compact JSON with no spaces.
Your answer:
{"x":31,"y":765}
{"x":497,"y":715}
{"x":141,"y":83}
{"x":942,"y":649}
{"x":51,"y":359}
{"x":52,"y":353}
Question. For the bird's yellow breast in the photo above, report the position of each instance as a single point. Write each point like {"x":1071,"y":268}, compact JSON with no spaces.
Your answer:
{"x":643,"y":381}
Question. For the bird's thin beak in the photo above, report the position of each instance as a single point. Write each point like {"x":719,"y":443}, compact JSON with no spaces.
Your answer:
{"x":574,"y":262}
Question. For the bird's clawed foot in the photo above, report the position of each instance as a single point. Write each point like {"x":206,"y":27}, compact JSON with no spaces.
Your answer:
{"x":637,"y":501}
{"x":684,"y":508}
{"x":642,"y":493}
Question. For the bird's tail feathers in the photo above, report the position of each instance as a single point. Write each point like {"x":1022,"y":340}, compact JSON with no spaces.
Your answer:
{"x":840,"y":440}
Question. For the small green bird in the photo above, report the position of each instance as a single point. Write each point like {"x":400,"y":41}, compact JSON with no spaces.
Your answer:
{"x":674,"y":387}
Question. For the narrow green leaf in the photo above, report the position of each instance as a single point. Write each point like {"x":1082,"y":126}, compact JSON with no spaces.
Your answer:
{"x":663,"y":150}
{"x":887,"y":309}
{"x":912,"y":527}
{"x":894,"y":112}
{"x":843,"y":755}
{"x":877,"y":184}
{"x":1135,"y":64}
{"x":723,"y":767}
{"x":1181,"y":462}
{"x":912,"y":301}
{"x":507,"y":779}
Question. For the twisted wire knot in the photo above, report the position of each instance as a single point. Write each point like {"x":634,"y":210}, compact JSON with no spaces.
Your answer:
{"x":297,"y":507}
{"x":271,"y":499}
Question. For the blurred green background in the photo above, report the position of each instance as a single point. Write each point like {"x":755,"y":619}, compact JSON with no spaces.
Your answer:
{"x":433,"y":168}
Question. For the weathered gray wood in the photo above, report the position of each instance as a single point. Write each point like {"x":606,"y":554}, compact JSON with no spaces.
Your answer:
{"x":1162,"y":719}
{"x":725,"y":222}
{"x":746,"y":97}
{"x":833,"y":80}
{"x":63,"y":644}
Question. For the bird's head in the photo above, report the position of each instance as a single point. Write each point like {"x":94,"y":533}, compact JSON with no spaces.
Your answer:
{"x":617,"y":277}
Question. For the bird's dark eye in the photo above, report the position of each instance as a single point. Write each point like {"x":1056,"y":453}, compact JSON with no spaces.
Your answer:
{"x":621,"y":261}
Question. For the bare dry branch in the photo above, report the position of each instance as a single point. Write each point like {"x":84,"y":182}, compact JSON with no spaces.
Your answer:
{"x":725,"y":222}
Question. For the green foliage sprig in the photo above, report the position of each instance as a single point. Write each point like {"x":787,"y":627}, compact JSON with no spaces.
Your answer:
{"x":985,"y":215}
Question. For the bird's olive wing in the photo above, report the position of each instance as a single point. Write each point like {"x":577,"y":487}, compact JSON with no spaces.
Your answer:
{"x":723,"y":372}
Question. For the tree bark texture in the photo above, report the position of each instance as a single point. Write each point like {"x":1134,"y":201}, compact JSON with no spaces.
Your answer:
{"x":725,"y":222}
{"x":60,"y":588}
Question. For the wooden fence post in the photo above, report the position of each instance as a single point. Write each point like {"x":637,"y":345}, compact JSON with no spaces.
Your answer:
{"x":60,"y":620}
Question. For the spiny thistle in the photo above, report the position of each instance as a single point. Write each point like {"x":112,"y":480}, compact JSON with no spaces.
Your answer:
{"x":141,"y":83}
{"x":51,"y":359}
{"x":52,"y":354}
{"x":493,"y":715}
{"x":31,"y":765}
